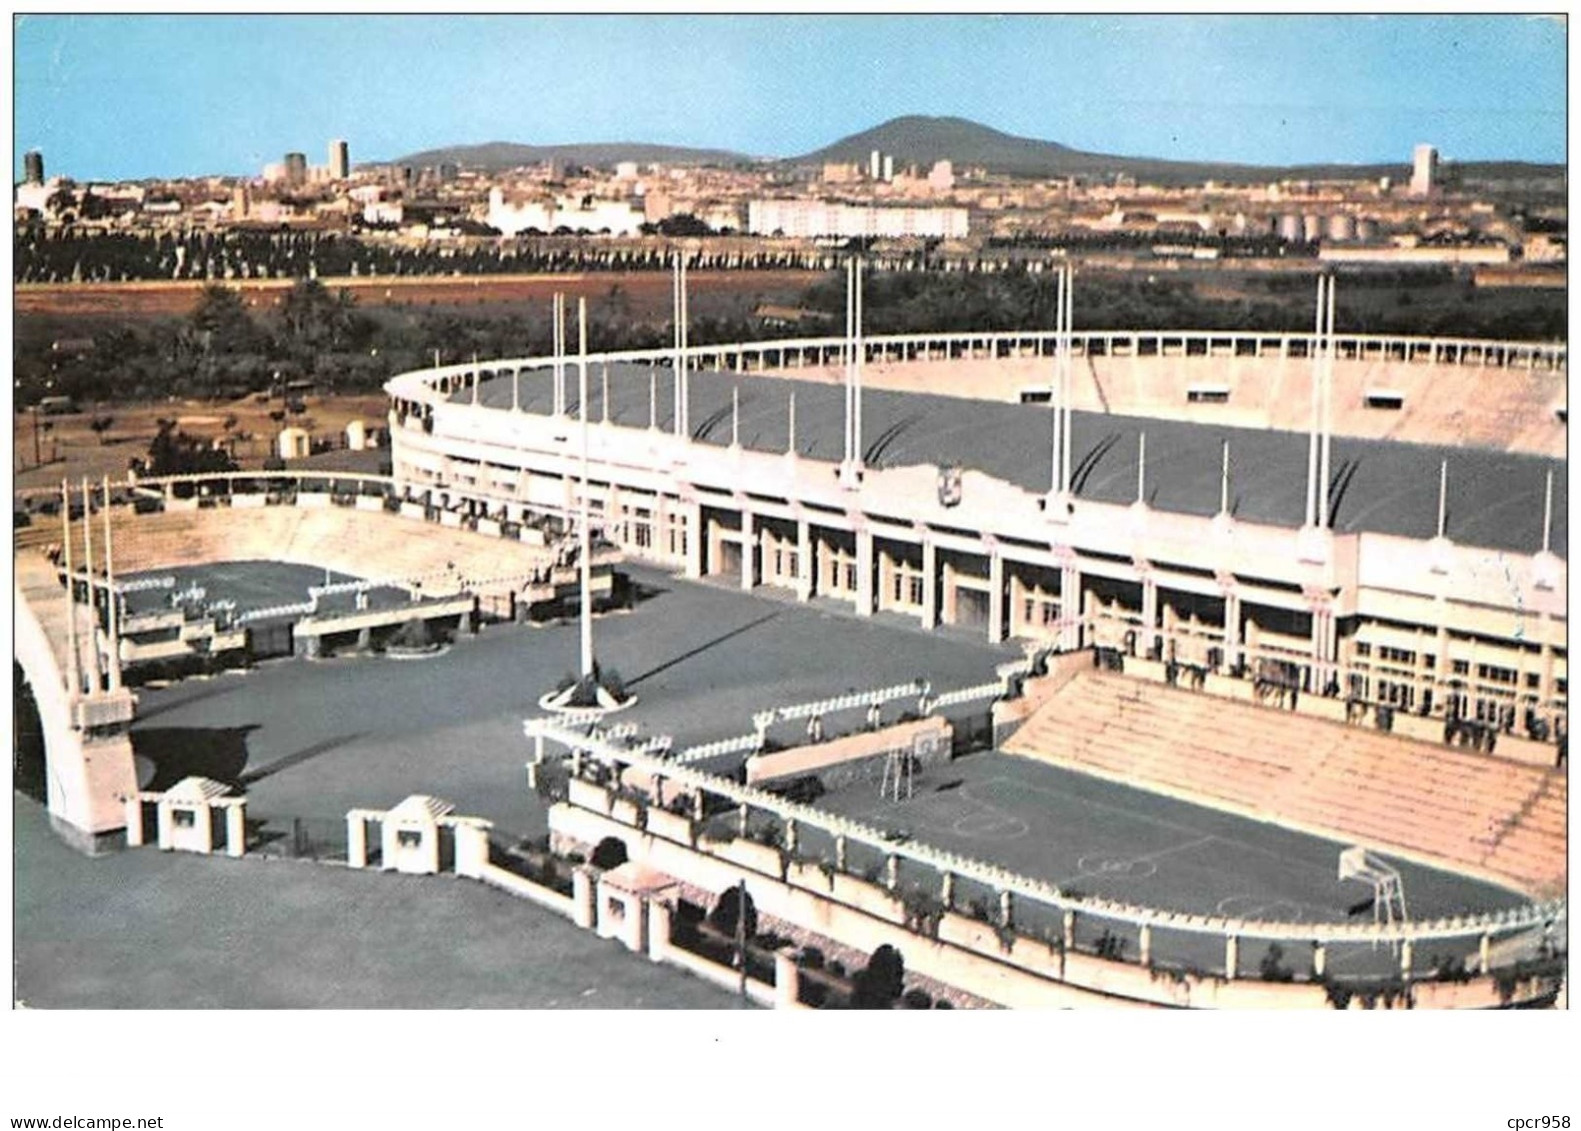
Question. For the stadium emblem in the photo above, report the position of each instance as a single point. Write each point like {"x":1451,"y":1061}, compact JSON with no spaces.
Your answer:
{"x":949,"y":486}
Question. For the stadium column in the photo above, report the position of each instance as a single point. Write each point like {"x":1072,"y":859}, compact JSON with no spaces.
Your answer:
{"x":996,"y":595}
{"x":1545,"y":678}
{"x":803,"y":560}
{"x":1322,"y":645}
{"x":864,"y":571}
{"x":1232,"y":628}
{"x":1070,"y":605}
{"x":930,"y":583}
{"x":1016,"y":601}
{"x":748,"y":545}
{"x":1149,"y":612}
{"x":694,"y":539}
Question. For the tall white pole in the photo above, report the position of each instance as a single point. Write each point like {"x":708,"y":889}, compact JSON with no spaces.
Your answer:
{"x":1141,"y":467}
{"x":559,"y":351}
{"x":586,"y":548}
{"x":604,"y":372}
{"x":1056,"y":385}
{"x":1443,"y":495}
{"x":1314,"y":358}
{"x":686,"y":345}
{"x":675,"y":335}
{"x":1324,"y":471}
{"x":1224,"y":481}
{"x":790,"y":443}
{"x":1065,"y":376}
{"x":73,"y":671}
{"x":653,"y":399}
{"x":856,"y":372}
{"x":1548,"y":510}
{"x":93,"y":605}
{"x":849,"y":351}
{"x":109,"y":596}
{"x":735,"y":417}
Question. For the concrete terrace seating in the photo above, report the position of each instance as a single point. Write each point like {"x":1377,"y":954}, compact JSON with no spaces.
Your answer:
{"x":1357,"y":783}
{"x":368,"y":544}
{"x":1493,"y":407}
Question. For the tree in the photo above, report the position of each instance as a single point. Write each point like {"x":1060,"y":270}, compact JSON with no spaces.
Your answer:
{"x":728,"y":910}
{"x":316,"y":320}
{"x":176,"y":453}
{"x":881,"y":982}
{"x":222,"y":321}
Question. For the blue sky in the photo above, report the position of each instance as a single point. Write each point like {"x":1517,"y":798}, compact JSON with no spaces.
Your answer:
{"x":140,"y":96}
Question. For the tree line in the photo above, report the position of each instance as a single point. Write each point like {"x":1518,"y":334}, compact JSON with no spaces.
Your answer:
{"x":225,"y":349}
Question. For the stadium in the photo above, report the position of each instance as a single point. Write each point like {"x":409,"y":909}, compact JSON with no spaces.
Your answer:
{"x":1074,"y":667}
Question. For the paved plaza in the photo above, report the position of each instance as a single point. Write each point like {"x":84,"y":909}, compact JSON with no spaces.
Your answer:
{"x":315,"y":738}
{"x":156,"y":930}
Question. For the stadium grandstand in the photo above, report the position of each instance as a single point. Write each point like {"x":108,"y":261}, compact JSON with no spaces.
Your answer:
{"x":1418,"y":581}
{"x":1303,"y":592}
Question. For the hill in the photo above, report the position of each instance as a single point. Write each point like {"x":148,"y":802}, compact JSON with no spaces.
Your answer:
{"x":920,"y":141}
{"x":495,"y":155}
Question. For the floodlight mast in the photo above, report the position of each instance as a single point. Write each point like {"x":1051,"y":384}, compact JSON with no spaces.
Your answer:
{"x":585,"y":550}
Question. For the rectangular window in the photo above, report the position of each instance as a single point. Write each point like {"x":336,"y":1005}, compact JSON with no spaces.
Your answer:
{"x":183,"y":818}
{"x":408,"y":838}
{"x":914,"y":589}
{"x":1494,"y":674}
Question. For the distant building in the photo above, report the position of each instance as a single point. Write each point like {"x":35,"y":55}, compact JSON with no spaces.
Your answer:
{"x":339,"y":160}
{"x":812,"y":219}
{"x":875,"y":165}
{"x":296,"y":169}
{"x":1424,"y":170}
{"x":614,"y":216}
{"x":941,"y":178}
{"x":33,"y":167}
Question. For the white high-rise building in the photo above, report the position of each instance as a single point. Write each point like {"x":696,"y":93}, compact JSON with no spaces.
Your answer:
{"x":339,"y":160}
{"x":1424,"y":170}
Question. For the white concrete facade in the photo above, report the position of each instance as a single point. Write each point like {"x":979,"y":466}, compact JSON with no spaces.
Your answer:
{"x":1410,"y":623}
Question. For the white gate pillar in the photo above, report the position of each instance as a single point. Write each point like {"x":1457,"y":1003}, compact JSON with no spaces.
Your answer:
{"x":356,"y":840}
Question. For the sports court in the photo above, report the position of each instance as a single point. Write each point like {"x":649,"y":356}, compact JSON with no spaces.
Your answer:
{"x":1110,"y":841}
{"x":255,"y":585}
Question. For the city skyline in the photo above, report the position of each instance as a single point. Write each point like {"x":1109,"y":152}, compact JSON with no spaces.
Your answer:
{"x":1255,"y":90}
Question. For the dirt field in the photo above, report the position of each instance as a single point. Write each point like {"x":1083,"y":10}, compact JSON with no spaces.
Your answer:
{"x":70,"y":449}
{"x":647,"y":291}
